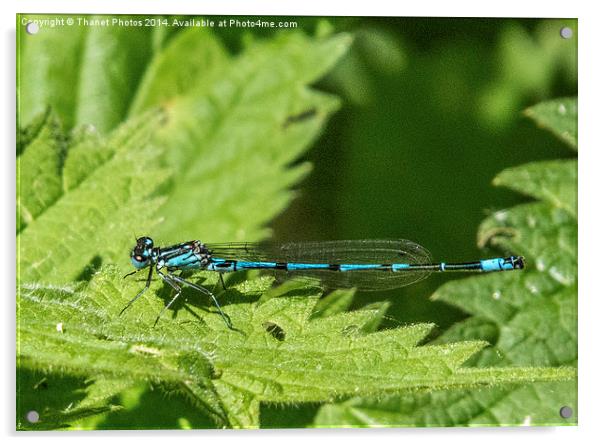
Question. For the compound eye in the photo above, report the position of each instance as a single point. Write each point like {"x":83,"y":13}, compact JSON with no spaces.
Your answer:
{"x":145,"y":241}
{"x":139,"y":261}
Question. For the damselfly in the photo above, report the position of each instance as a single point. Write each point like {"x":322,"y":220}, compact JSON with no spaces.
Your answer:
{"x":368,"y":265}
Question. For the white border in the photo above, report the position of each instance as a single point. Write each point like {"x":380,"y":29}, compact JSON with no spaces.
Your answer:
{"x":590,"y":307}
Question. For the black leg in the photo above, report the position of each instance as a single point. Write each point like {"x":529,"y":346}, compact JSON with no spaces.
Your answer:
{"x":131,"y":273}
{"x":146,"y":286}
{"x":175,"y":287}
{"x":206,"y":292}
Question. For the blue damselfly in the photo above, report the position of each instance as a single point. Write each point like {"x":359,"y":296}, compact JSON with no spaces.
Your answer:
{"x":368,"y":265}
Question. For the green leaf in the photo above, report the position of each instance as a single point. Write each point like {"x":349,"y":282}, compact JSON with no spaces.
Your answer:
{"x":88,"y":74}
{"x":61,"y":400}
{"x":228,"y":373}
{"x":528,"y":66}
{"x":228,"y":117}
{"x":189,"y":62}
{"x":233,"y":136}
{"x":39,"y":168}
{"x":168,"y":410}
{"x":551,"y":181}
{"x":105,"y":92}
{"x":334,"y":303}
{"x":107,"y":186}
{"x":103,"y":202}
{"x":529,"y":317}
{"x":483,"y":407}
{"x":559,"y":116}
{"x":48,"y":71}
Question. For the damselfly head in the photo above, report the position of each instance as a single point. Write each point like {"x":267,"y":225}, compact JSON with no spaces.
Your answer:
{"x":142,"y":252}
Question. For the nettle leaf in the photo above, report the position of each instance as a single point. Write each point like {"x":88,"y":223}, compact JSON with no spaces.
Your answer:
{"x":528,"y":317}
{"x":559,"y":116}
{"x":60,"y":400}
{"x":111,"y":65}
{"x":189,"y":61}
{"x":228,"y":373}
{"x":336,"y":302}
{"x":233,"y":134}
{"x":99,"y":199}
{"x":554,"y":182}
{"x":87,"y":74}
{"x":47,"y":71}
{"x":224,"y":124}
{"x":39,"y":167}
{"x":235,"y":124}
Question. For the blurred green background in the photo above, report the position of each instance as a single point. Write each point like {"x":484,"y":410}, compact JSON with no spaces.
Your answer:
{"x":432,"y":110}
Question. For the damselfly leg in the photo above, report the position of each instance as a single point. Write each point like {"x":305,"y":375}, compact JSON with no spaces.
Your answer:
{"x":173,"y":280}
{"x":174,"y":286}
{"x":139,"y":294}
{"x":206,"y":292}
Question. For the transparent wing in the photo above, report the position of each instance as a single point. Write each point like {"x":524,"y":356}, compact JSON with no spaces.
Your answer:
{"x":338,"y":252}
{"x":244,"y":251}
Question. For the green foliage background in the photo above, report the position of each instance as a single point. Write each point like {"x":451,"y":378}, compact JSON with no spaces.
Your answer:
{"x":202,"y":134}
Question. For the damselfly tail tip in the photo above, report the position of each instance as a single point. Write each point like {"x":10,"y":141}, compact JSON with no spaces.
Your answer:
{"x":518,"y":262}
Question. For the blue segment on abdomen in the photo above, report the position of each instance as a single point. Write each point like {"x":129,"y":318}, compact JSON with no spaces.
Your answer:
{"x":397,"y":267}
{"x":221,"y":265}
{"x":495,"y":264}
{"x":352,"y":267}
{"x":255,"y":265}
{"x":306,"y":266}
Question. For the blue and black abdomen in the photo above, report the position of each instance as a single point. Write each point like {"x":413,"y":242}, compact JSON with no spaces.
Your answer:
{"x":364,"y":264}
